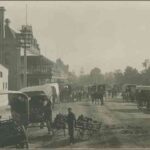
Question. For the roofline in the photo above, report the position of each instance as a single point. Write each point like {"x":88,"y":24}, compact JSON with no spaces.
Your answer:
{"x":4,"y":66}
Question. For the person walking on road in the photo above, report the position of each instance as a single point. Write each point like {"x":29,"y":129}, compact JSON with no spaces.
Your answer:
{"x":71,"y":120}
{"x":48,"y":114}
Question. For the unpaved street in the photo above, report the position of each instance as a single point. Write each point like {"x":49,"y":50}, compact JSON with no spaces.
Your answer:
{"x":123,"y":126}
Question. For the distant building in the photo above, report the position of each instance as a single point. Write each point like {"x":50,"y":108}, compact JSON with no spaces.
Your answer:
{"x":60,"y":71}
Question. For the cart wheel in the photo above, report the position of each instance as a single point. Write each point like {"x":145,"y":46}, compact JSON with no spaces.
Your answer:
{"x":89,"y":134}
{"x":64,"y":132}
{"x":22,"y":145}
{"x":80,"y":133}
{"x":26,"y":145}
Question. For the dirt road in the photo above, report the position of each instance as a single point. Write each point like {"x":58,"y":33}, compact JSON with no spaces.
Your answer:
{"x":123,"y":126}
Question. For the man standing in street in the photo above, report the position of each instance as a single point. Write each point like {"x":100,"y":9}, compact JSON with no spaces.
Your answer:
{"x":47,"y":109}
{"x":71,"y":120}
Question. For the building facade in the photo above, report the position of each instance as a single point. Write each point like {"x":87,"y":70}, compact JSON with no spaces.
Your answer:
{"x":20,"y":53}
{"x":3,"y":78}
{"x":11,"y":56}
{"x":12,"y":46}
{"x":60,"y":71}
{"x":3,"y":85}
{"x":39,"y":70}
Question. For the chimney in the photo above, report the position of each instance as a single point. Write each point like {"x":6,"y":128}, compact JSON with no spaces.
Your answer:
{"x":2,"y":33}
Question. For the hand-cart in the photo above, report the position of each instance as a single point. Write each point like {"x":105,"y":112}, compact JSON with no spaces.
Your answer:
{"x":87,"y":127}
{"x":59,"y":123}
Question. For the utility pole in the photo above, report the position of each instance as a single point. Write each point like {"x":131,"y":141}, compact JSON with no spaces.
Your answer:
{"x":25,"y":54}
{"x":25,"y":41}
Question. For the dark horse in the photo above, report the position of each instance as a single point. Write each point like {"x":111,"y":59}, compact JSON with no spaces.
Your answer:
{"x":97,"y":97}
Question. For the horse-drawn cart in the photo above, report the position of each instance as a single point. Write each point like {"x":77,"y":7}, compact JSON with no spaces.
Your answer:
{"x":129,"y":92}
{"x":97,"y":93}
{"x":12,"y":129}
{"x":87,"y":127}
{"x":59,"y":123}
{"x":39,"y":96}
{"x":143,"y":97}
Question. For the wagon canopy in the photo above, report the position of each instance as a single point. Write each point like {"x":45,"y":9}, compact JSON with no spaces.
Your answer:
{"x":131,"y":86}
{"x":38,"y":90}
{"x":55,"y":85}
{"x":11,"y":94}
{"x":143,"y":87}
{"x":16,"y":105}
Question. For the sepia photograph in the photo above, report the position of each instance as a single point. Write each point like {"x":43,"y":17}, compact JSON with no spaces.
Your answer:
{"x":75,"y":74}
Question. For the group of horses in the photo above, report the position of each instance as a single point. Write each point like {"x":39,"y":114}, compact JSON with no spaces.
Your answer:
{"x":97,"y":94}
{"x":97,"y":97}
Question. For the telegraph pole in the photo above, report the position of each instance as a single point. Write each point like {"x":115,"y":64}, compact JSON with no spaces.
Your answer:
{"x":25,"y":53}
{"x":26,"y":37}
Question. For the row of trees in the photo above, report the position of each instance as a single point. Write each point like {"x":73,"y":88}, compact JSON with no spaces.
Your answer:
{"x":129,"y":75}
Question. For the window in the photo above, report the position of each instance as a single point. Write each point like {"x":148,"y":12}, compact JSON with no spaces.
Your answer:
{"x":6,"y":85}
{"x":3,"y":85}
{"x":1,"y":74}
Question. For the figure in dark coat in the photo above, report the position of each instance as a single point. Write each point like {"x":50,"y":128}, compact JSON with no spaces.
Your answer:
{"x":48,"y":114}
{"x":71,"y":120}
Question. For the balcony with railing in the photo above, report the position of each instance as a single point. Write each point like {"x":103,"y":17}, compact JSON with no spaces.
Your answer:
{"x":37,"y":65}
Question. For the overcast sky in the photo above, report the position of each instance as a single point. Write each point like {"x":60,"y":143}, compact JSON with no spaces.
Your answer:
{"x":108,"y":35}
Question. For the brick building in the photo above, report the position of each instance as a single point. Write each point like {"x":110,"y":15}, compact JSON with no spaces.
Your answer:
{"x":11,"y":55}
{"x":39,"y":68}
{"x":60,"y":71}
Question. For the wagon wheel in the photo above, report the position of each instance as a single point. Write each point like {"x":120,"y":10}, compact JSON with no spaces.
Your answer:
{"x":80,"y":133}
{"x":25,"y":144}
{"x":89,"y":133}
{"x":26,"y":137}
{"x":64,"y":131}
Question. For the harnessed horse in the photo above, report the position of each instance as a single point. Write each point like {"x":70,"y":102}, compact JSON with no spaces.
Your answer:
{"x":97,"y":94}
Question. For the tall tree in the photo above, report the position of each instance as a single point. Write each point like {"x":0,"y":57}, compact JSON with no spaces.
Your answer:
{"x":146,"y":64}
{"x":96,"y":76}
{"x":131,"y":75}
{"x":118,"y":77}
{"x":109,"y":77}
